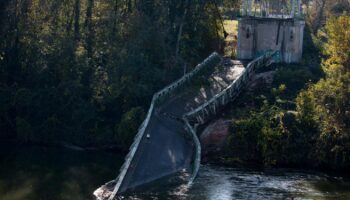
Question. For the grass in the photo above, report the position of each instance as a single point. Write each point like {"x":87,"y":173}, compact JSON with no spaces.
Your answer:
{"x":231,"y":26}
{"x":230,"y":41}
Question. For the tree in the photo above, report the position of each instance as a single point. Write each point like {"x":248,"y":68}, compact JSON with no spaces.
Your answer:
{"x":327,"y":103}
{"x":337,"y":47}
{"x":80,"y":65}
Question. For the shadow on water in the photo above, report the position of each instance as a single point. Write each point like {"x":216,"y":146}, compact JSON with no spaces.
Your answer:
{"x":38,"y":173}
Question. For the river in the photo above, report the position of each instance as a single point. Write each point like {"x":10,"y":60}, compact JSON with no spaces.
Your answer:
{"x":41,"y":173}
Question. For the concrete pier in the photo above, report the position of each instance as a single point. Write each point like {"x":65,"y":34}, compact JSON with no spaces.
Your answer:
{"x":274,"y":25}
{"x":256,"y":35}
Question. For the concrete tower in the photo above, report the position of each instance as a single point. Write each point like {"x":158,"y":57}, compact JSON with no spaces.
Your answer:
{"x":271,"y":25}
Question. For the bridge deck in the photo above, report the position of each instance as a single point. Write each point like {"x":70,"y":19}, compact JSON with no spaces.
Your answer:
{"x":167,"y":147}
{"x":192,"y":97}
{"x":209,"y":86}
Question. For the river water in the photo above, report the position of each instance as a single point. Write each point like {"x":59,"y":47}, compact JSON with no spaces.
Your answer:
{"x":38,"y":173}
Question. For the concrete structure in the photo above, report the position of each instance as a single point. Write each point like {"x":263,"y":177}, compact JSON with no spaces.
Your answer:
{"x":271,"y":28}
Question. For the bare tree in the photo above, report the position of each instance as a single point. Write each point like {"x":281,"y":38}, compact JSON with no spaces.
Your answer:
{"x":315,"y":10}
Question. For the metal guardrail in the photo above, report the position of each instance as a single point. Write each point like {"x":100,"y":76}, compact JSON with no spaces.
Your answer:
{"x":197,"y":160}
{"x":157,"y":98}
{"x":225,"y":96}
{"x":214,"y":57}
{"x":230,"y":92}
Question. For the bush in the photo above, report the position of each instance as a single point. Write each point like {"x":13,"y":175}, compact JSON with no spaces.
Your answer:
{"x":24,"y":130}
{"x":324,"y":107}
{"x":128,"y":126}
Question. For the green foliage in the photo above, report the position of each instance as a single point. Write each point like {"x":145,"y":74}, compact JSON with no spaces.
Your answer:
{"x":317,"y":133}
{"x":24,"y":130}
{"x":128,"y":126}
{"x":292,"y":79}
{"x":244,"y":142}
{"x":70,"y":70}
{"x":337,"y":47}
{"x":270,"y":137}
{"x":305,"y":104}
{"x":326,"y":104}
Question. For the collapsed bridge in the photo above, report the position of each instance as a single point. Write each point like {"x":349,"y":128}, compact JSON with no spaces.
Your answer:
{"x":167,"y":142}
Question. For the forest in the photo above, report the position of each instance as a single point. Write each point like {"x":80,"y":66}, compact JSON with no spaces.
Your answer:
{"x":83,"y":72}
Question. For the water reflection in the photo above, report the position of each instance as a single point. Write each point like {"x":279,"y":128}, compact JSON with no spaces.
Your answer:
{"x":243,"y":184}
{"x":220,"y":183}
{"x":33,"y":173}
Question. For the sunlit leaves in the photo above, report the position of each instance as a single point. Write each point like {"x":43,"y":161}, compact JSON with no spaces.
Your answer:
{"x":70,"y":74}
{"x":325,"y":105}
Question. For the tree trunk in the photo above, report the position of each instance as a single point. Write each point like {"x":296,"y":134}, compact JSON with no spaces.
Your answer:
{"x":14,"y":62}
{"x":115,"y":16}
{"x":319,"y":16}
{"x":76,"y":20}
{"x":88,"y":25}
{"x":179,"y":35}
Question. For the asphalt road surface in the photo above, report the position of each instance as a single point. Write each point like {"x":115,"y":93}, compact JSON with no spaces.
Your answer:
{"x":166,"y":147}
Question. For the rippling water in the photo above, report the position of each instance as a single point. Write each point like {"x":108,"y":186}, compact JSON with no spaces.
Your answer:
{"x":222,"y":183}
{"x":34,"y":173}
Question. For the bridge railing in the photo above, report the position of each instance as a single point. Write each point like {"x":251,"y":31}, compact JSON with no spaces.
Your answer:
{"x":210,"y":107}
{"x":158,"y":97}
{"x":212,"y":60}
{"x":228,"y":94}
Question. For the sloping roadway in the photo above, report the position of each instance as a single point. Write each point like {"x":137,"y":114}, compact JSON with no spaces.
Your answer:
{"x":166,"y":147}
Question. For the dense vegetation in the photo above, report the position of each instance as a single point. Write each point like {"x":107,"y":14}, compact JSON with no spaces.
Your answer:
{"x":84,"y":71}
{"x":303,"y":119}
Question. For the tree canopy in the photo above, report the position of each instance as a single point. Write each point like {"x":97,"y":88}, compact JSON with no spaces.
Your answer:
{"x":70,"y":70}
